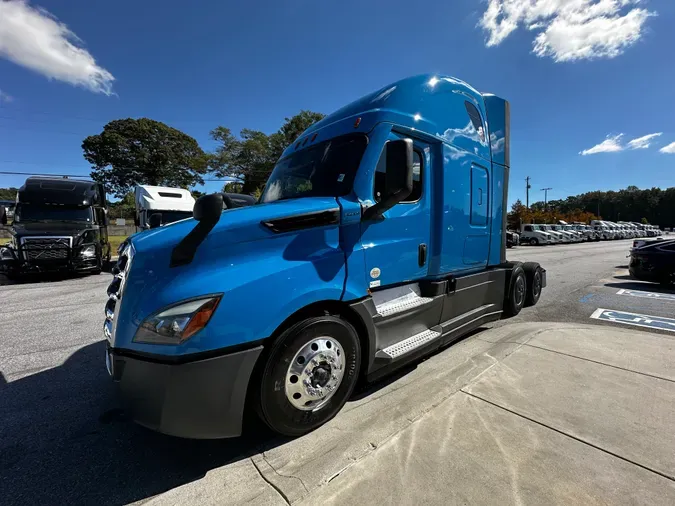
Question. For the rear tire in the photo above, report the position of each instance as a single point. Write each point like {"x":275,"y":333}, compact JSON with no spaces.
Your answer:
{"x":323,"y":350}
{"x":534,"y":278}
{"x":517,"y":290}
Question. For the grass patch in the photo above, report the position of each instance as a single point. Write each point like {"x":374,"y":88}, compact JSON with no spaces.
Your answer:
{"x":115,"y":241}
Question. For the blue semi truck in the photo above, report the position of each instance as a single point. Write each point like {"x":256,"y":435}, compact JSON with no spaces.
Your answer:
{"x":380,"y":236}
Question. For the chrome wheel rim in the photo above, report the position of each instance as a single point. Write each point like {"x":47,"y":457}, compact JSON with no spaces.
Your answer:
{"x":315,"y":374}
{"x":520,"y":290}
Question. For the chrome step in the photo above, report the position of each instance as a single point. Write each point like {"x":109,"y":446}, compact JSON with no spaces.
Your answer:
{"x":395,"y":300}
{"x":407,"y":345}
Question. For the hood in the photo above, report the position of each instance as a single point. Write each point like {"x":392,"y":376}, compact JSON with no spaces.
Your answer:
{"x":51,"y":228}
{"x":239,"y":225}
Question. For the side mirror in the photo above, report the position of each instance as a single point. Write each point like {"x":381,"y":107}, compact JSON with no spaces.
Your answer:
{"x":137,"y":221}
{"x":3,"y":215}
{"x":398,"y":177}
{"x":155,"y":220}
{"x":208,"y":208}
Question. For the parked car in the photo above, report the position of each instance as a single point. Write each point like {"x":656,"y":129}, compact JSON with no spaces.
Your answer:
{"x":653,"y":261}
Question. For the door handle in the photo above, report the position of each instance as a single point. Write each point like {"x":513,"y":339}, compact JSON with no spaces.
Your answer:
{"x":422,"y":255}
{"x":480,"y":196}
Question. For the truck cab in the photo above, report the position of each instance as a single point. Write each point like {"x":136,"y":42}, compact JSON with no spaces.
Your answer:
{"x":379,"y":237}
{"x":59,"y":225}
{"x":535,"y":235}
{"x":170,"y":204}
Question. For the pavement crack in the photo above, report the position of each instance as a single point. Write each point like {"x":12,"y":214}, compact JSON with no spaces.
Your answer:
{"x":284,"y":475}
{"x":578,"y":439}
{"x":278,"y":490}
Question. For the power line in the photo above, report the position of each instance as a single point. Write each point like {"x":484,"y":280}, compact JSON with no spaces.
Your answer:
{"x":226,"y":178}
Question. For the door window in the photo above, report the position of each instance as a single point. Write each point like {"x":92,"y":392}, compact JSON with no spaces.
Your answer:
{"x":528,"y":229}
{"x":380,"y":177}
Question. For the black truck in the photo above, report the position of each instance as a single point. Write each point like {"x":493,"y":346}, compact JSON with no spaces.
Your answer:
{"x":59,"y":225}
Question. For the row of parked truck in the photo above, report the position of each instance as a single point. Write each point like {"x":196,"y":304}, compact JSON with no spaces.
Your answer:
{"x":541,"y":234}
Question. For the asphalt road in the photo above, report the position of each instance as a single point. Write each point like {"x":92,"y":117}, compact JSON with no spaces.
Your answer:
{"x":63,"y":438}
{"x":584,"y":277}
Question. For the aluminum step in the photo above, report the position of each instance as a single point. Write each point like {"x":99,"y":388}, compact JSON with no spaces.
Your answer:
{"x":395,"y":300}
{"x":407,"y":345}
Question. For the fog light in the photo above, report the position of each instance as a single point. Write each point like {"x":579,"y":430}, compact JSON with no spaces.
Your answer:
{"x":88,"y":252}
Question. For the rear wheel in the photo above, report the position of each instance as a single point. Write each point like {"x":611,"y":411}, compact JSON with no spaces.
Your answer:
{"x":534,"y":278}
{"x":308,"y":376}
{"x":515,"y":297}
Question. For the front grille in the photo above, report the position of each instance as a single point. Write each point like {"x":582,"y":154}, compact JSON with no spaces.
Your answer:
{"x":46,"y":248}
{"x":115,"y":292}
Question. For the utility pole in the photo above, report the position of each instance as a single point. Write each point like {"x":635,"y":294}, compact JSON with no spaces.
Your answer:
{"x":545,"y":190}
{"x":527,"y":192}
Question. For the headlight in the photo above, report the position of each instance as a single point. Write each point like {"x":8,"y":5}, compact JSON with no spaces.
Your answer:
{"x":178,"y":323}
{"x":88,"y":251}
{"x":7,"y":254}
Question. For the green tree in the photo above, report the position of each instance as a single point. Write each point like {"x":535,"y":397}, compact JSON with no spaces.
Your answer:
{"x":251,"y":157}
{"x":644,"y":221}
{"x":130,"y":152}
{"x":8,"y":193}
{"x":233,"y":187}
{"x":123,"y":208}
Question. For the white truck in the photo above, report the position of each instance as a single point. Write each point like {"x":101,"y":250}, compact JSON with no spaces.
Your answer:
{"x":568,"y":235}
{"x":602,"y":228}
{"x":170,"y":204}
{"x":535,"y":235}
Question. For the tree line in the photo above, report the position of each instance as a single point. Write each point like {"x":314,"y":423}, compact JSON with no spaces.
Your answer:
{"x":129,"y":152}
{"x":654,"y":206}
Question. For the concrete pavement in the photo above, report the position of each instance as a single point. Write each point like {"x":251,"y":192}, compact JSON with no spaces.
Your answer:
{"x":575,"y":415}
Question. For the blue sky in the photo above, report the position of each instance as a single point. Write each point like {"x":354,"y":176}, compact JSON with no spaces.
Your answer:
{"x":581,"y":75}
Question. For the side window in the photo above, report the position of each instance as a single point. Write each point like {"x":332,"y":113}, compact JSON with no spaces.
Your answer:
{"x":476,"y":120}
{"x":380,"y":176}
{"x":528,"y":228}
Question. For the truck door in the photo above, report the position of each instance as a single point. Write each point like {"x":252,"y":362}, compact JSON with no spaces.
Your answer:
{"x":397,"y":246}
{"x":477,"y":241}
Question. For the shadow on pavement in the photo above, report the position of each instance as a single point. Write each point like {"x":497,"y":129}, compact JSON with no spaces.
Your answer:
{"x":641,"y":286}
{"x":63,"y":440}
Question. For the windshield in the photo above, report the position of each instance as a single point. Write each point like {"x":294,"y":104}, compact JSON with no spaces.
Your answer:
{"x":325,"y":170}
{"x":34,"y":212}
{"x":171,"y":216}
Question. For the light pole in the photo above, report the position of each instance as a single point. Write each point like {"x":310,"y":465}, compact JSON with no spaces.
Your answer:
{"x":545,"y":190}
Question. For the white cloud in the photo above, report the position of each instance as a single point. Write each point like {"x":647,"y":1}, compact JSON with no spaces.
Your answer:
{"x":5,"y":97}
{"x":609,"y":145}
{"x":642,"y":142}
{"x":568,"y":30}
{"x":669,"y":149}
{"x":33,"y":38}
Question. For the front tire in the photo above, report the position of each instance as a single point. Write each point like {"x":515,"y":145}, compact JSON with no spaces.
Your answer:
{"x":309,"y":375}
{"x":534,"y":241}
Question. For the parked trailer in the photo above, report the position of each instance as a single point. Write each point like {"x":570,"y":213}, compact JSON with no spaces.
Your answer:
{"x":379,"y":237}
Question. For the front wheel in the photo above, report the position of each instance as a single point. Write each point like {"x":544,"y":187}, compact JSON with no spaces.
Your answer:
{"x":309,"y":375}
{"x":534,"y":241}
